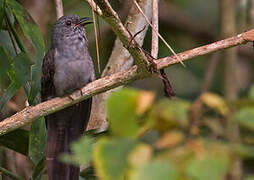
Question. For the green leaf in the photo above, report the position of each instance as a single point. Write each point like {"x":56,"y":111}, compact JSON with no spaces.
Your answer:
{"x":251,"y":93}
{"x":37,"y":140}
{"x":168,"y":114}
{"x":110,"y":157}
{"x":245,"y":117}
{"x":32,"y":32}
{"x":208,"y":167}
{"x":5,"y":41}
{"x":155,"y":170}
{"x":121,"y":111}
{"x":5,"y":61}
{"x":16,"y":140}
{"x":249,"y":177}
{"x":11,"y":90}
{"x":81,"y":152}
{"x":2,"y":3}
{"x":39,"y":169}
{"x":22,"y":68}
{"x":243,"y":151}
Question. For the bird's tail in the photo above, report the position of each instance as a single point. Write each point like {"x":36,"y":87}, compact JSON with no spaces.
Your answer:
{"x":63,"y":128}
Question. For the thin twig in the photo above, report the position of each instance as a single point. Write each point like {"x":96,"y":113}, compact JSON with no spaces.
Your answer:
{"x":155,"y":23}
{"x":96,"y":42}
{"x":164,"y":41}
{"x":32,"y":113}
{"x":59,"y":8}
{"x":210,"y":72}
{"x":135,"y":35}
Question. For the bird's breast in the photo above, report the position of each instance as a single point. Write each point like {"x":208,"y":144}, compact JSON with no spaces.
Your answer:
{"x":71,"y":72}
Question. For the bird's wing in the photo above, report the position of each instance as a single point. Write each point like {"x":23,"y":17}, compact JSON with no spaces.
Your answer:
{"x":63,"y":127}
{"x":47,"y":78}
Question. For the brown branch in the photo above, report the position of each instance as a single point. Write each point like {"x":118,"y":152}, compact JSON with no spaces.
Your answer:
{"x":59,"y":8}
{"x":213,"y":47}
{"x":155,"y":23}
{"x":94,"y":7}
{"x":30,"y":114}
{"x":210,"y":72}
{"x":111,"y":17}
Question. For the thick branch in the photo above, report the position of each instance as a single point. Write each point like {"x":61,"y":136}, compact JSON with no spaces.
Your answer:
{"x":59,"y":8}
{"x":30,"y":114}
{"x":111,"y":17}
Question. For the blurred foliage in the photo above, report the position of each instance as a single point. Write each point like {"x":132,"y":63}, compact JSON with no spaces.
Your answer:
{"x":187,"y":138}
{"x":21,"y":52}
{"x":157,"y":142}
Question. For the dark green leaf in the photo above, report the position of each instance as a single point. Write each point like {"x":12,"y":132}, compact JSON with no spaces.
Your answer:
{"x":32,"y":32}
{"x":81,"y":152}
{"x":88,"y":174}
{"x":243,"y":151}
{"x":11,"y":90}
{"x":121,"y":111}
{"x":5,"y":41}
{"x":208,"y":167}
{"x":249,"y":177}
{"x":39,"y":169}
{"x":155,"y":170}
{"x":22,"y":68}
{"x":16,"y":140}
{"x":1,"y":12}
{"x":5,"y":61}
{"x":37,"y":140}
{"x":110,"y":157}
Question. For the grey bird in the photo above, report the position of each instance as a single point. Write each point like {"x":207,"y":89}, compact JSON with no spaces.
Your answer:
{"x":67,"y":66}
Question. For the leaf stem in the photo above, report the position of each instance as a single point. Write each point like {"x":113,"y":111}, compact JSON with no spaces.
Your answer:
{"x":10,"y":174}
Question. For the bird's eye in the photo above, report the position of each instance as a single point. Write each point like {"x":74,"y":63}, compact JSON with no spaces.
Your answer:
{"x":68,"y":23}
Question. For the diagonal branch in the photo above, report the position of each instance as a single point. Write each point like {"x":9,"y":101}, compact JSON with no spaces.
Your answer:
{"x":30,"y":114}
{"x":111,"y":17}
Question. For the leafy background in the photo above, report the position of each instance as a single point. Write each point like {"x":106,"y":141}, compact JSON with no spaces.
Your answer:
{"x":198,"y":135}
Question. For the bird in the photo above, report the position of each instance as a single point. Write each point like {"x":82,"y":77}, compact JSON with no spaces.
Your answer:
{"x":67,"y":66}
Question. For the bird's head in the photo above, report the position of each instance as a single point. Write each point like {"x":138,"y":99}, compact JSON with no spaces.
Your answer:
{"x":69,"y":27}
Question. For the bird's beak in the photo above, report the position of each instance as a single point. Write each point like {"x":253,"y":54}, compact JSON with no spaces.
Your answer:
{"x":83,"y":21}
